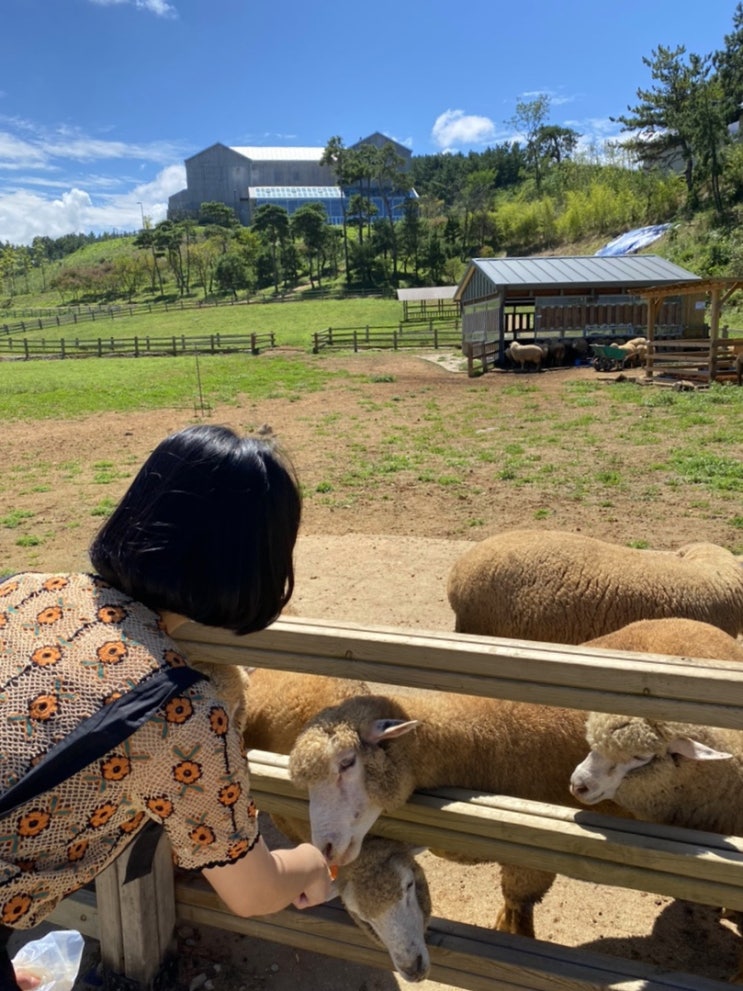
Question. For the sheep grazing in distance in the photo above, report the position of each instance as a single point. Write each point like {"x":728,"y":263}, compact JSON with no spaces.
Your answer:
{"x":367,"y":755}
{"x":385,"y":891}
{"x":560,"y":587}
{"x":526,"y":354}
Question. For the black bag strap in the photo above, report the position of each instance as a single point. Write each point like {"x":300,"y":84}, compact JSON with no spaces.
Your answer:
{"x":100,"y":733}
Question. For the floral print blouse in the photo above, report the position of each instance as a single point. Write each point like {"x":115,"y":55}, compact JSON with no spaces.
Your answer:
{"x":70,"y":644}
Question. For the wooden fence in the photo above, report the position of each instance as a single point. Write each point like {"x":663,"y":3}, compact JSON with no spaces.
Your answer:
{"x":434,"y":334}
{"x":133,"y":347}
{"x":695,"y":360}
{"x":135,"y":921}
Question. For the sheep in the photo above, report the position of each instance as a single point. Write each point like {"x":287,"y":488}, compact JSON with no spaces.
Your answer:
{"x":562,"y":587}
{"x":385,"y":891}
{"x":361,"y":758}
{"x":664,"y":771}
{"x":526,"y":354}
{"x":631,"y":758}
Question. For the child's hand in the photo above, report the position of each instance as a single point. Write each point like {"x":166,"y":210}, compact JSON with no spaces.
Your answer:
{"x":319,"y":890}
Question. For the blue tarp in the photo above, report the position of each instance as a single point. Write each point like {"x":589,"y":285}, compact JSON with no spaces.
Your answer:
{"x":625,"y":244}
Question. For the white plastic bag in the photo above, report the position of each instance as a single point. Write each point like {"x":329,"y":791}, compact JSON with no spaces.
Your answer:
{"x":55,"y":959}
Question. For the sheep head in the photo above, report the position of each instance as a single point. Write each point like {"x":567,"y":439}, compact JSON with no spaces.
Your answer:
{"x":630,"y":752}
{"x":386,"y":893}
{"x":346,"y":759}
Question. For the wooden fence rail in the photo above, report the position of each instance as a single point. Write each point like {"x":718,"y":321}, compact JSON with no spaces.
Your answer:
{"x":134,"y":347}
{"x":681,"y":863}
{"x":696,"y":360}
{"x":434,"y":334}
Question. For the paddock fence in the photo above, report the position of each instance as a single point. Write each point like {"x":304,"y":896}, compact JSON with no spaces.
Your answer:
{"x":26,"y":349}
{"x":696,"y":360}
{"x":433,"y":334}
{"x":135,"y":921}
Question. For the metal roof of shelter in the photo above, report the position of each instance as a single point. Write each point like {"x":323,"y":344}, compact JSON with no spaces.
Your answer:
{"x":573,"y":272}
{"x":426,"y":292}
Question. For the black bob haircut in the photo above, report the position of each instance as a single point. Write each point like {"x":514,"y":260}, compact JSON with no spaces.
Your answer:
{"x":206,"y":529}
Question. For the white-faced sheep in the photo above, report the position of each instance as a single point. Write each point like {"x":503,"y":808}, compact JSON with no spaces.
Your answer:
{"x":368,"y":754}
{"x":665,"y":771}
{"x":632,"y":759}
{"x":561,"y":587}
{"x":385,"y":891}
{"x":526,"y":354}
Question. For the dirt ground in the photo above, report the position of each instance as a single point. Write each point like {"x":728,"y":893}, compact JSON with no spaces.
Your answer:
{"x":379,"y":556}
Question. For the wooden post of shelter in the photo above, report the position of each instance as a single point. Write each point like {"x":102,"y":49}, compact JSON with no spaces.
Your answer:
{"x":654,"y":305}
{"x":714,"y":325}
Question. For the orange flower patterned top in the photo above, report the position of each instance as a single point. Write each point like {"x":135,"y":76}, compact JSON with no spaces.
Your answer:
{"x":70,"y":644}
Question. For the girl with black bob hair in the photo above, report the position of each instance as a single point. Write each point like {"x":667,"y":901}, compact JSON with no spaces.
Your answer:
{"x":206,"y":530}
{"x":116,"y":730}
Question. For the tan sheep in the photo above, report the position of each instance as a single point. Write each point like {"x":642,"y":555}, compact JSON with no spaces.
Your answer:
{"x":385,"y":891}
{"x":663,"y":771}
{"x":368,"y":754}
{"x":561,"y":587}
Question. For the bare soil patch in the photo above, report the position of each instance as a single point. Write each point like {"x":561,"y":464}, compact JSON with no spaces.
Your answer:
{"x":378,"y":552}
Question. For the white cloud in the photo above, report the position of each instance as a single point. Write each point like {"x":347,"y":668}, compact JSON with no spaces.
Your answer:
{"x":455,"y":127}
{"x":35,"y":147}
{"x":24,"y":214}
{"x":158,"y":7}
{"x":15,"y":153}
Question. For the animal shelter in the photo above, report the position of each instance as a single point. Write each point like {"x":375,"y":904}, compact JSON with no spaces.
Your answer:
{"x":517,"y":299}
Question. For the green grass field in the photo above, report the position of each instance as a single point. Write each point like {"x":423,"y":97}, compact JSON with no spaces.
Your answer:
{"x":292,"y":323}
{"x":66,"y":389}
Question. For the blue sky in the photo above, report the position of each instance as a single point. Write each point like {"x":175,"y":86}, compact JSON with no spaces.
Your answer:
{"x":102,"y":100}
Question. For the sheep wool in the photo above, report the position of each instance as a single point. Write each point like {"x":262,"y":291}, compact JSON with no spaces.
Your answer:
{"x":698,"y":794}
{"x":560,"y":587}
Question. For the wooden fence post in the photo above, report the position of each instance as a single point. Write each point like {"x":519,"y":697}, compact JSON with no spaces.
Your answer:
{"x":137,"y":918}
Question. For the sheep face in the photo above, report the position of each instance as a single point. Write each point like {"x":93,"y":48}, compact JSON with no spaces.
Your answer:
{"x":386,"y":893}
{"x":632,"y":758}
{"x":348,"y":776}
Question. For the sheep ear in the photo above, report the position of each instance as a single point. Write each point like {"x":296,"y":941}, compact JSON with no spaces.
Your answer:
{"x":387,"y":729}
{"x":693,"y":750}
